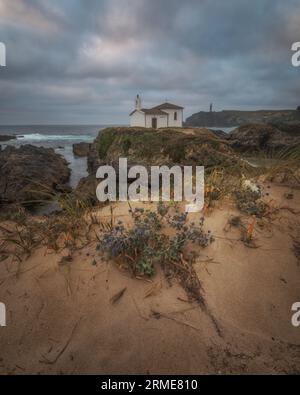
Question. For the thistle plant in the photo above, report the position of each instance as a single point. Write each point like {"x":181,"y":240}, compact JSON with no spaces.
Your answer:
{"x":145,"y":246}
{"x":250,"y":202}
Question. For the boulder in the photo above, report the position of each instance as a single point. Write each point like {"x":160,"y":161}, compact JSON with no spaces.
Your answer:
{"x":81,"y":149}
{"x":30,"y":173}
{"x":86,"y":190}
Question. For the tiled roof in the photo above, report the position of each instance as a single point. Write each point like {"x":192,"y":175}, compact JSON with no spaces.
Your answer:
{"x":167,"y":106}
{"x":157,"y":110}
{"x":153,"y":111}
{"x":150,"y":111}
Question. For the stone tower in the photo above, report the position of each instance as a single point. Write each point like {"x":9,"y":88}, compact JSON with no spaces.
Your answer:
{"x":138,"y":103}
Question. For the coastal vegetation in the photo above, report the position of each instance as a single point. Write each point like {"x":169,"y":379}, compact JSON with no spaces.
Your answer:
{"x":227,"y":176}
{"x":149,"y":243}
{"x":156,"y":248}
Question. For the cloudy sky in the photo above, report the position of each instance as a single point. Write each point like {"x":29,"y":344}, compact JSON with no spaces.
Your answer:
{"x":83,"y":61}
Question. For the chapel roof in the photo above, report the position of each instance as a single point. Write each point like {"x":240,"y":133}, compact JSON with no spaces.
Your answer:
{"x":158,"y":110}
{"x":150,"y":111}
{"x":168,"y":106}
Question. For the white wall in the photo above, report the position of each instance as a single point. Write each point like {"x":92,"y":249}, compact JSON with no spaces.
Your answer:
{"x":162,"y":120}
{"x":172,"y":122}
{"x":137,"y":119}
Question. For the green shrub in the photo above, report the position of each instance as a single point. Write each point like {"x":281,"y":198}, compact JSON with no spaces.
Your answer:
{"x":106,"y":139}
{"x":126,"y":145}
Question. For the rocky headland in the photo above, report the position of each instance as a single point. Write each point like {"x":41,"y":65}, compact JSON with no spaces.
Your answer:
{"x":232,"y":118}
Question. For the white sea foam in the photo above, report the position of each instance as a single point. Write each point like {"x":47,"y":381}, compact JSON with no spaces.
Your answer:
{"x":53,"y":137}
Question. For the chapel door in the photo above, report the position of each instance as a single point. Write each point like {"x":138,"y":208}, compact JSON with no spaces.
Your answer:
{"x":154,"y":123}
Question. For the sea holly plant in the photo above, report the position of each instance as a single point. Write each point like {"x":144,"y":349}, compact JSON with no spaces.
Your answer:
{"x":143,"y":247}
{"x":249,"y":202}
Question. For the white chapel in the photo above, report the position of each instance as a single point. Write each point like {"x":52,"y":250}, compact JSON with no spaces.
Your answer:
{"x":162,"y":116}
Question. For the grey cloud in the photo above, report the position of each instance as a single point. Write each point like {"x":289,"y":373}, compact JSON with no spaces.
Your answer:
{"x":83,"y":61}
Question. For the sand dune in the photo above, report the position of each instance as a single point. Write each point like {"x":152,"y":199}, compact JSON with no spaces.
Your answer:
{"x":61,"y":319}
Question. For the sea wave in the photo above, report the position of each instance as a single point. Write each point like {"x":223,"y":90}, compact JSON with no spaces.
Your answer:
{"x":53,"y":137}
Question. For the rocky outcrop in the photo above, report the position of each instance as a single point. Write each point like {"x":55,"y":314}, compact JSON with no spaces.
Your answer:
{"x":256,"y":138}
{"x":150,"y":147}
{"x":31,"y":173}
{"x":220,"y":134}
{"x":81,"y":149}
{"x":5,"y":137}
{"x":236,"y":118}
{"x":292,"y":129}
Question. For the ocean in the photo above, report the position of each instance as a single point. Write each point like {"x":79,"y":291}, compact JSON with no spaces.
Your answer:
{"x":60,"y":138}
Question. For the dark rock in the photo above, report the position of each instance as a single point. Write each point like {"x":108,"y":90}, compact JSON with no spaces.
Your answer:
{"x":31,"y":173}
{"x":63,"y":188}
{"x":93,"y":159}
{"x":219,"y":133}
{"x":7,"y":137}
{"x":81,"y":149}
{"x":86,"y":190}
{"x":255,"y":138}
{"x":292,"y":129}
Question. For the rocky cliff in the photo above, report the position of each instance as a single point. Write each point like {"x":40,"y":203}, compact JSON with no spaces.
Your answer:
{"x":236,"y":118}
